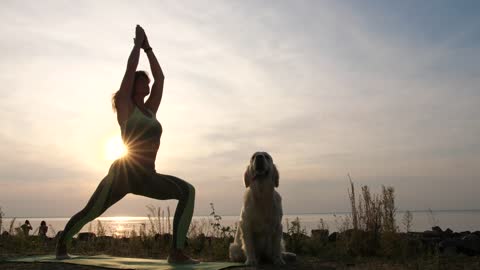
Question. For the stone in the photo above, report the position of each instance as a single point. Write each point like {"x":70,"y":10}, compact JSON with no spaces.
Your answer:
{"x":471,"y":244}
{"x":333,"y":237}
{"x":321,"y":235}
{"x":86,"y":236}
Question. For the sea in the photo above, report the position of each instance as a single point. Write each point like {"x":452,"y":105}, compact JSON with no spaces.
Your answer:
{"x":123,"y":226}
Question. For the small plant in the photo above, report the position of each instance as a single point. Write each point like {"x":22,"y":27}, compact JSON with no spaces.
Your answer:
{"x":432,"y":219}
{"x":218,"y":229}
{"x":11,"y":228}
{"x":52,"y":230}
{"x":1,"y":219}
{"x":343,"y":223}
{"x":216,"y":221}
{"x":371,"y":227}
{"x":297,"y":236}
{"x":100,"y":229}
{"x":169,"y":226}
{"x":142,"y":231}
{"x":133,"y":232}
{"x":155,"y":218}
{"x":351,"y":196}
{"x":296,"y":228}
{"x":407,"y":220}
{"x":322,"y":225}
{"x":389,"y":209}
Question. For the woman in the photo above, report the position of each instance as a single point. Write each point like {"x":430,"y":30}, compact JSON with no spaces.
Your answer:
{"x":43,"y":229}
{"x":135,"y":173}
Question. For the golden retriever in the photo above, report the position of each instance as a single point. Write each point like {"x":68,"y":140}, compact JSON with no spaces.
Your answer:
{"x":259,"y":234}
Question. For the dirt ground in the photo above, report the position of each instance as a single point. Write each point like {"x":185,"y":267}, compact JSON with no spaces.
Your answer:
{"x":300,"y":265}
{"x":303,"y":263}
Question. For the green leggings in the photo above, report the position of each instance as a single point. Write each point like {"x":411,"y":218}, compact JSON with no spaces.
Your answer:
{"x":126,"y":177}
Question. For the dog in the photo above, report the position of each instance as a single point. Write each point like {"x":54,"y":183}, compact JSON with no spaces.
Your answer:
{"x":259,"y":233}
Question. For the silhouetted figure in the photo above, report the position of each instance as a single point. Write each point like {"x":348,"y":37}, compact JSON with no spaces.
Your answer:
{"x":135,"y":173}
{"x":43,"y":229}
{"x":26,"y":227}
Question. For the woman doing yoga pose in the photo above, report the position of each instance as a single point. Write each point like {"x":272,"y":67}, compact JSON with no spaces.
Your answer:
{"x":135,"y":173}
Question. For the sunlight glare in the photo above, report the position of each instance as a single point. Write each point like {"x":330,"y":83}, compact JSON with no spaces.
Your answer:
{"x":114,"y":148}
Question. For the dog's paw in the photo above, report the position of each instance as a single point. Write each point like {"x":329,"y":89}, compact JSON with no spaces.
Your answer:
{"x":278,"y":261}
{"x":251,"y":262}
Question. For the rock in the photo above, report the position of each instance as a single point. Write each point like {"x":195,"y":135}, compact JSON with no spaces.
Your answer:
{"x":414,"y":235}
{"x":348,"y":233}
{"x":162,"y":237}
{"x":432,"y":234}
{"x":333,"y":237}
{"x":86,"y":236}
{"x":450,"y":251}
{"x":321,"y":235}
{"x":437,"y":229}
{"x":104,"y":238}
{"x":471,"y":244}
{"x":59,"y":233}
{"x":209,"y":240}
{"x":449,"y":246}
{"x":448,"y":232}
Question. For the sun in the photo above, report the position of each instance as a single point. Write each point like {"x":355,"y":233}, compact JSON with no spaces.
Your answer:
{"x":114,"y":148}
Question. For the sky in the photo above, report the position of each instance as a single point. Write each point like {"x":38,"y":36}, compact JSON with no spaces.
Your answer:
{"x":386,"y":91}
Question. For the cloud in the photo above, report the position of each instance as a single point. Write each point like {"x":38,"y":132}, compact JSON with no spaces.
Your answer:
{"x":388,"y":94}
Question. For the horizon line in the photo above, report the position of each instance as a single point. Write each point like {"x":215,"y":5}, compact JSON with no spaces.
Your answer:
{"x":286,"y":214}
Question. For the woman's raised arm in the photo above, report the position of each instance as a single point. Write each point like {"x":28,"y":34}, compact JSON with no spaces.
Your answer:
{"x":128,"y":80}
{"x":153,"y":101}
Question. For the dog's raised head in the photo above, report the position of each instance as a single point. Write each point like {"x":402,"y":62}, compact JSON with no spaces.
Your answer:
{"x":261,"y":168}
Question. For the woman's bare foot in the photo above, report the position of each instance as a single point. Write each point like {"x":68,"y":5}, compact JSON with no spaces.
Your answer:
{"x":61,"y":252}
{"x":178,"y":257}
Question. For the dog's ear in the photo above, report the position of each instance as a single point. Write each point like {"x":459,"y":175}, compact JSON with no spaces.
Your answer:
{"x":247,"y":177}
{"x":275,"y":176}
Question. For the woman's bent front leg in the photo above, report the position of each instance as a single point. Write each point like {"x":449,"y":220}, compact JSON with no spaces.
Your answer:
{"x":166,"y":187}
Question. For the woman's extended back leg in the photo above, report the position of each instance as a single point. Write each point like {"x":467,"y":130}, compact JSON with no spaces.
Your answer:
{"x":110,"y":190}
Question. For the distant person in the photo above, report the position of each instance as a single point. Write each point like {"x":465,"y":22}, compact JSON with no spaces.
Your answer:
{"x":135,"y":172}
{"x":26,"y":227}
{"x":43,"y":229}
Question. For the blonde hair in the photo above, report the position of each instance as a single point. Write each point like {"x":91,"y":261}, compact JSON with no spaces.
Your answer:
{"x":138,"y":74}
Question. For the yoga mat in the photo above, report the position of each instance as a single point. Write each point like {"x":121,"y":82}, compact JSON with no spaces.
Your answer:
{"x":127,"y":263}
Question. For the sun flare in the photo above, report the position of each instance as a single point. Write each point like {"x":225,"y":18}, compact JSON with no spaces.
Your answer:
{"x":114,"y":148}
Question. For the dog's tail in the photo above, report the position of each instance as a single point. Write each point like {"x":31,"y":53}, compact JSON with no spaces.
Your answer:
{"x":289,"y":256}
{"x":235,"y":251}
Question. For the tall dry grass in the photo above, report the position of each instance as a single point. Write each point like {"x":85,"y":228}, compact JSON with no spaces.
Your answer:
{"x":11,"y":228}
{"x":371,"y":228}
{"x":407,"y":220}
{"x":1,"y":219}
{"x":159,"y":222}
{"x":432,"y":219}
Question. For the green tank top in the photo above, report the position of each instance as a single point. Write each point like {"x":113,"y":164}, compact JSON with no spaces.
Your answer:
{"x":141,"y":135}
